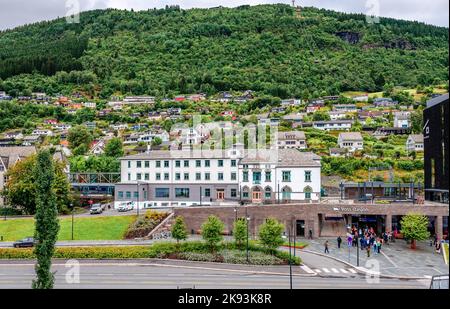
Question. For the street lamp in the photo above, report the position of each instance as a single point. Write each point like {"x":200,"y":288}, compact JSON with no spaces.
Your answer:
{"x":290,"y":257}
{"x":247,"y":218}
{"x":71,"y":206}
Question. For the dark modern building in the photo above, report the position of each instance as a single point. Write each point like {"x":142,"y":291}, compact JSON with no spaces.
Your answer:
{"x":436,"y":155}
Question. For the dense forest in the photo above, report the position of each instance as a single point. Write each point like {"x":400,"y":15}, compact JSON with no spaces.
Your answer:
{"x":265,"y":48}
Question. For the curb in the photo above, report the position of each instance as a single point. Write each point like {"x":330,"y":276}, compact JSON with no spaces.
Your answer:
{"x":364,"y":270}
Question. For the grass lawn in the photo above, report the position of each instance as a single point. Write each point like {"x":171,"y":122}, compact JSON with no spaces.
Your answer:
{"x":85,"y":228}
{"x":445,"y":247}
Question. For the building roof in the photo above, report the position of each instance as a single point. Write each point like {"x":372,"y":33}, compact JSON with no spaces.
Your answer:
{"x":351,"y":136}
{"x":281,"y":157}
{"x":10,"y":155}
{"x":401,"y":116}
{"x":417,"y":138}
{"x":179,"y":154}
{"x":291,"y":135}
{"x":437,"y":100}
{"x":338,"y":150}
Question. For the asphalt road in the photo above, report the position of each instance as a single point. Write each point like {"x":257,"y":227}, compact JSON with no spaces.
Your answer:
{"x":167,"y":275}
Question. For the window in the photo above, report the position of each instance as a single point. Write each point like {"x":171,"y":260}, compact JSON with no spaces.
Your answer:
{"x":220,"y":163}
{"x":181,"y":192}
{"x":177,"y":163}
{"x":129,"y":164}
{"x":138,"y":164}
{"x":307,"y":191}
{"x":308,"y":176}
{"x":129,"y":176}
{"x":166,"y":163}
{"x":207,"y":192}
{"x":120,"y":194}
{"x":186,"y":163}
{"x":233,"y":193}
{"x":198,"y":176}
{"x":245,"y":194}
{"x":207,"y":176}
{"x":162,"y":192}
{"x":233,"y":176}
{"x":286,"y":193}
{"x":138,"y":176}
{"x":186,"y":176}
{"x":257,"y":177}
{"x":198,"y":163}
{"x":268,"y":193}
{"x":233,"y":163}
{"x":245,"y":176}
{"x":135,"y":194}
{"x":147,"y":176}
{"x":128,"y":194}
{"x":286,"y":176}
{"x":145,"y":195}
{"x":268,"y":176}
{"x":147,"y":164}
{"x":166,"y":176}
{"x":158,"y":163}
{"x":177,"y":176}
{"x":207,"y":163}
{"x":220,"y":176}
{"x":158,"y":176}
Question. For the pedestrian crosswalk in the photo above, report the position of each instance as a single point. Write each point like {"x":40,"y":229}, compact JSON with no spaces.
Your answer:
{"x":325,"y":270}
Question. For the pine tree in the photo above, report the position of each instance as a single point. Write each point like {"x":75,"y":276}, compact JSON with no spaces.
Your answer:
{"x":47,"y":225}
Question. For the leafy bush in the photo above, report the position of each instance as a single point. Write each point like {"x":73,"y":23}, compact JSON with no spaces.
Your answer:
{"x":142,"y":226}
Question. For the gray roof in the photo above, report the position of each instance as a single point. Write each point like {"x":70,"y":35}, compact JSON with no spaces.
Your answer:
{"x":338,"y":150}
{"x":10,"y":155}
{"x":297,"y":135}
{"x":350,"y":136}
{"x":401,"y":116}
{"x":437,"y":100}
{"x":281,"y":157}
{"x":417,"y":138}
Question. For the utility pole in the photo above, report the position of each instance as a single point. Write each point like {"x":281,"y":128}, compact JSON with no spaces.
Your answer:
{"x":290,"y":259}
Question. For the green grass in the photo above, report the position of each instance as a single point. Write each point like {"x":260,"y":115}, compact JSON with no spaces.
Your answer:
{"x":85,"y":228}
{"x":445,"y":247}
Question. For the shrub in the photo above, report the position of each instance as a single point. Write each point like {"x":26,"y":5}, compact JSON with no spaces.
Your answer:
{"x":212,"y":231}
{"x":240,"y":231}
{"x":142,"y":226}
{"x":270,"y":234}
{"x":179,"y":229}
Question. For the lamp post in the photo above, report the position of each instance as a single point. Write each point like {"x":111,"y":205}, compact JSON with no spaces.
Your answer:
{"x":71,"y":206}
{"x":357,"y":250}
{"x":247,"y":218}
{"x":290,"y":256}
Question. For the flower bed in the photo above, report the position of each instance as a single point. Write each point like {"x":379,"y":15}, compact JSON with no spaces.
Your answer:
{"x":142,"y":226}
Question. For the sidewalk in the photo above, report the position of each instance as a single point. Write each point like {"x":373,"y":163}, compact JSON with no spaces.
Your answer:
{"x":396,"y":259}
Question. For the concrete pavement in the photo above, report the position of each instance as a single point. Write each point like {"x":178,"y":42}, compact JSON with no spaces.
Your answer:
{"x":139,"y":274}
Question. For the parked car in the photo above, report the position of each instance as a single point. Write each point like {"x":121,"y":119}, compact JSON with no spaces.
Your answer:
{"x":96,"y":209}
{"x":127,"y":206}
{"x":23,"y":243}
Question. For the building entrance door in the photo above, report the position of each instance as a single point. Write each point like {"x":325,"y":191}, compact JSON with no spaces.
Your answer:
{"x":300,"y":228}
{"x":220,"y":194}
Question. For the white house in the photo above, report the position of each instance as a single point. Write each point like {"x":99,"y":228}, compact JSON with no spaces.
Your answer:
{"x":291,"y":139}
{"x":89,"y":104}
{"x":351,"y":140}
{"x":337,"y":115}
{"x":333,"y":125}
{"x":401,"y":120}
{"x":414,"y":143}
{"x":42,"y":132}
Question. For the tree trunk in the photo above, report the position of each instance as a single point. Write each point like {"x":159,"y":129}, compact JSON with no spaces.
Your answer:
{"x":413,"y":244}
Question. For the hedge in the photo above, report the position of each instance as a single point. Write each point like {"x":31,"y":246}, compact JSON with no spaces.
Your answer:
{"x":185,"y":250}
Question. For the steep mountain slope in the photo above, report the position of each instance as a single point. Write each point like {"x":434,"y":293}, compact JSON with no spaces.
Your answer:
{"x":264,"y":48}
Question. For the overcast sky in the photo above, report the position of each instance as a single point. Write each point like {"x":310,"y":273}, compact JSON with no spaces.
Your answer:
{"x":18,"y":12}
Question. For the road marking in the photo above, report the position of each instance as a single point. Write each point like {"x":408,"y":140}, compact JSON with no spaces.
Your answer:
{"x":307,"y":269}
{"x":335,"y":270}
{"x":389,"y":259}
{"x":317,"y":270}
{"x":343,"y":271}
{"x":326,"y":270}
{"x":352,"y":271}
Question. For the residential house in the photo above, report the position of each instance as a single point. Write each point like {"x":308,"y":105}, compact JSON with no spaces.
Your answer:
{"x":42,"y":132}
{"x":337,"y":115}
{"x":5,"y":142}
{"x":385,"y":131}
{"x":351,"y":140}
{"x":119,"y":126}
{"x":179,"y":98}
{"x":61,"y":126}
{"x":331,"y":98}
{"x":414,"y":143}
{"x":312,"y":108}
{"x":338,"y":152}
{"x":91,"y":125}
{"x":345,"y":108}
{"x":97,"y":147}
{"x":139,"y":100}
{"x":104,"y":112}
{"x":31,"y":140}
{"x":9,"y":156}
{"x":17,"y":134}
{"x":291,"y":102}
{"x":361,"y":98}
{"x":384,"y":102}
{"x":50,"y":121}
{"x":401,"y":120}
{"x":197,"y":97}
{"x":90,"y":104}
{"x":333,"y":125}
{"x":291,"y":139}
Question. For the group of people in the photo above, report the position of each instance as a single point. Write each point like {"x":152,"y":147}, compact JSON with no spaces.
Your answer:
{"x":367,"y":238}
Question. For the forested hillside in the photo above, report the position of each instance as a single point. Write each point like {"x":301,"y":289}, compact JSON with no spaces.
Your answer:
{"x":264,"y":48}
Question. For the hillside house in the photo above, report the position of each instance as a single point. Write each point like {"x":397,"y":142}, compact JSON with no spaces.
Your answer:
{"x":351,"y":140}
{"x":401,"y":120}
{"x":345,"y":108}
{"x":337,"y":125}
{"x":291,"y":139}
{"x":414,"y":143}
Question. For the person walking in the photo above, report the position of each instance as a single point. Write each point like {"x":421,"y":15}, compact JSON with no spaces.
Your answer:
{"x":310,"y":234}
{"x":374,"y":246}
{"x":361,"y":242}
{"x":326,"y":247}
{"x":368,"y":251}
{"x":339,"y":240}
{"x":379,"y":246}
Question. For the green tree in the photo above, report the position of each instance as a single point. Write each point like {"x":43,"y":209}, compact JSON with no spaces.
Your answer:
{"x":179,"y":229}
{"x":114,"y":148}
{"x":417,"y":121}
{"x":212,"y":230}
{"x":270,"y":234}
{"x":240,"y":231}
{"x":156,"y":141}
{"x":321,"y":116}
{"x":79,"y":136}
{"x":415,"y":227}
{"x":47,"y":224}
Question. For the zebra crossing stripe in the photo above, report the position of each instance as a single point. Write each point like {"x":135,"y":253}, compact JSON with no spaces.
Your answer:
{"x":307,"y":269}
{"x":335,"y":270}
{"x":352,"y":271}
{"x":326,"y":270}
{"x":343,"y":271}
{"x":317,"y":271}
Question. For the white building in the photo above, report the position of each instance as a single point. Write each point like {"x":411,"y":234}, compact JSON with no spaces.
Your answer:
{"x":89,"y":104}
{"x":333,"y":125}
{"x":337,"y":115}
{"x":414,"y":143}
{"x":351,"y":140}
{"x":42,"y":132}
{"x":291,"y":139}
{"x":211,"y":177}
{"x":401,"y":120}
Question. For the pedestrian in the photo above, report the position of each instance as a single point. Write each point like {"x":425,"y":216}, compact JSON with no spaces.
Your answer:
{"x":368,"y":251}
{"x":326,"y":246}
{"x":386,"y":238}
{"x":435,"y":239}
{"x":374,"y":246}
{"x":361,"y":241}
{"x":310,"y":234}
{"x":379,"y":246}
{"x":438,"y":247}
{"x":339,"y":240}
